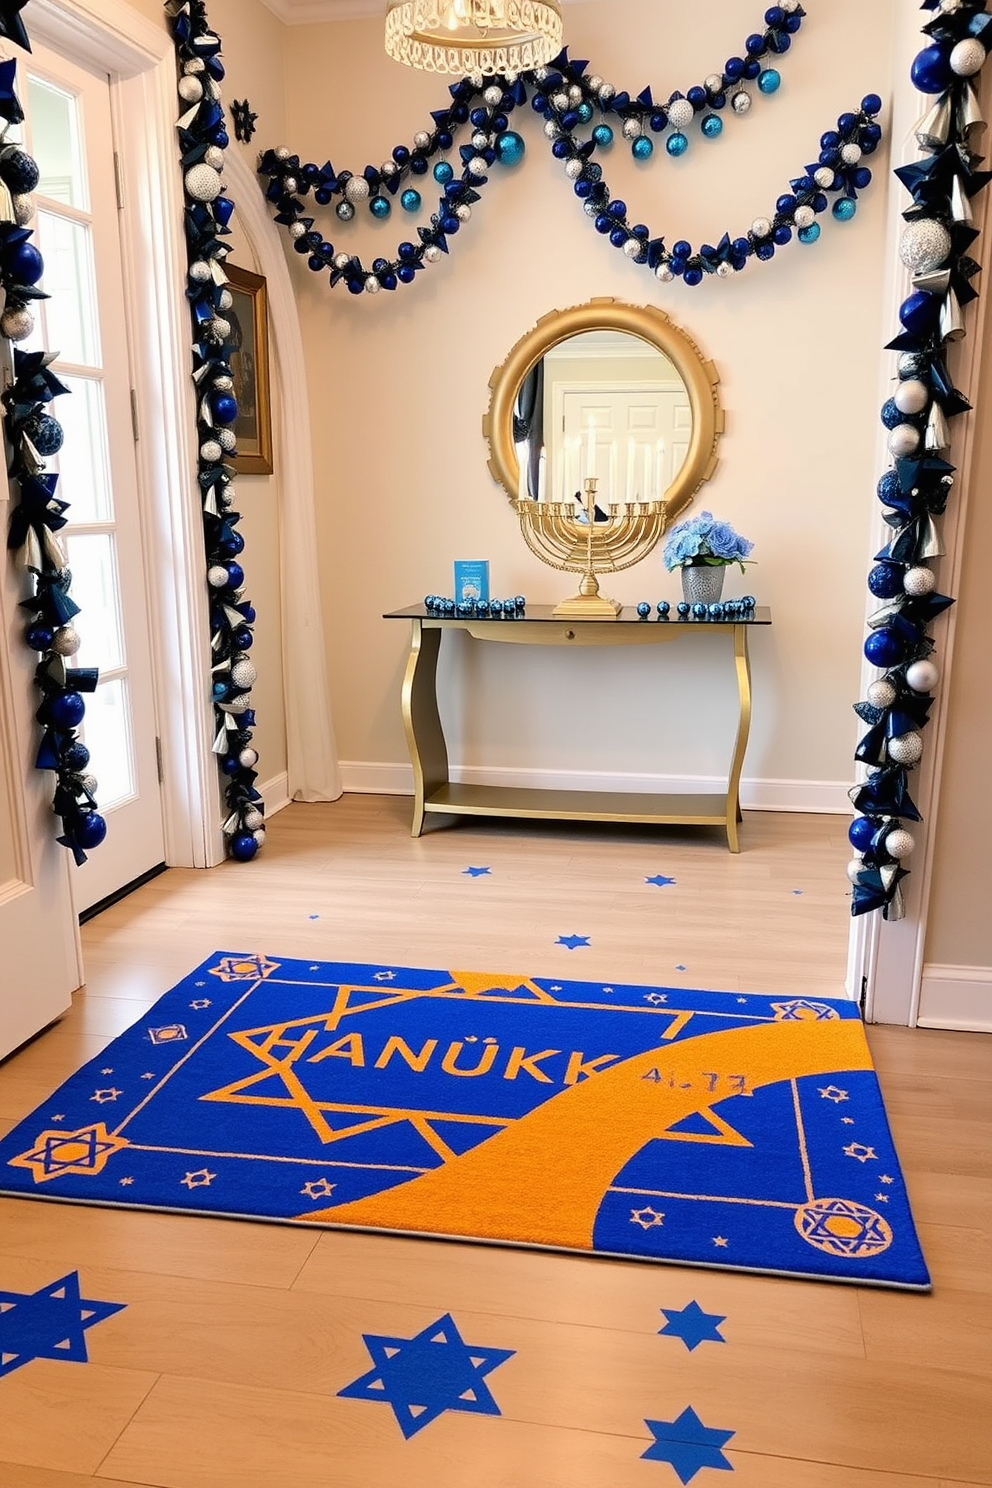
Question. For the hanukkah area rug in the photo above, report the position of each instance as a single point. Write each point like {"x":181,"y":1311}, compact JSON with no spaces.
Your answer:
{"x":651,"y":1123}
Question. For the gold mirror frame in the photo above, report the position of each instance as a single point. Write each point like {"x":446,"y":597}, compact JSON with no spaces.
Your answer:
{"x":649,"y":324}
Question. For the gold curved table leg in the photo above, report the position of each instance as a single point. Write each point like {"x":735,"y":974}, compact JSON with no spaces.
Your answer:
{"x":422,"y":721}
{"x":743,"y":730}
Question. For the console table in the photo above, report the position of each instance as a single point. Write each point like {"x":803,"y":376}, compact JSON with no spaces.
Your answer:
{"x":434,"y":791}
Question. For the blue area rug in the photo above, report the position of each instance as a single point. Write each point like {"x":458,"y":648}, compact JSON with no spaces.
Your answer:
{"x":700,"y":1128}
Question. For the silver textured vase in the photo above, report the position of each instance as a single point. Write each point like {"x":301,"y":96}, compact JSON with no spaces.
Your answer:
{"x":703,"y":583}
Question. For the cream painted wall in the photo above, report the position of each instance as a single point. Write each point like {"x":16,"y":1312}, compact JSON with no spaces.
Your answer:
{"x":398,"y":388}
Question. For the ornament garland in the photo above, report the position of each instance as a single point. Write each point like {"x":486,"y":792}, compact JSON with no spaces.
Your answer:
{"x":567,"y":97}
{"x":33,"y":435}
{"x":935,"y":249}
{"x":203,"y":139}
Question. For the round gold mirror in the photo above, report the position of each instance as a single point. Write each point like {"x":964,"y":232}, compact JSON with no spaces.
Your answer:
{"x":605,"y":390}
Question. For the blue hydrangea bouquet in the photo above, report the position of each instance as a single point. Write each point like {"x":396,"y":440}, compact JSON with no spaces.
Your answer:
{"x":705,"y":542}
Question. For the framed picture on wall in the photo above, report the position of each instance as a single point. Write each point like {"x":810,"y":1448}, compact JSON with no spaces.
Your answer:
{"x":249,"y":352}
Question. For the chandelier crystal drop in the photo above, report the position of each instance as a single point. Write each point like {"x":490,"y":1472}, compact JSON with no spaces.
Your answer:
{"x":494,"y":37}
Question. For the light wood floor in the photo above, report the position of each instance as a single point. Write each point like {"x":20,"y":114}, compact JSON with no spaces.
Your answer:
{"x":224,"y":1368}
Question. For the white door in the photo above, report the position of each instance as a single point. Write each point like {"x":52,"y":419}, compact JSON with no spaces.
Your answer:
{"x":638,"y":437}
{"x":69,"y":132}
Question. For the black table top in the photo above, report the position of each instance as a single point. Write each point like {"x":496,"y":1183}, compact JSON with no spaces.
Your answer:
{"x":544,"y":614}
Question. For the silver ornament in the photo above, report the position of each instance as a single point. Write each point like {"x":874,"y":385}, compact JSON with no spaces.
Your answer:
{"x":595,"y":82}
{"x":912,"y":396}
{"x":224,"y":384}
{"x":714,"y":83}
{"x":195,"y":64}
{"x":634,"y":248}
{"x":606,"y":92}
{"x":203,"y":183}
{"x":16,"y":324}
{"x":906,"y":749}
{"x":229,"y":494}
{"x":804,"y":216}
{"x":432,"y":253}
{"x":421,"y":140}
{"x":225,"y":300}
{"x":824,"y":178}
{"x":219,"y":329}
{"x":297,"y":230}
{"x":24,"y":209}
{"x":724,"y":270}
{"x":541,"y":73}
{"x":290,"y":185}
{"x":789,"y":6}
{"x":510,"y":78}
{"x":356,"y":189}
{"x":923,"y":676}
{"x":345,"y":211}
{"x":900,"y":843}
{"x":210,"y":451}
{"x":214,"y":157}
{"x":217,"y":576}
{"x":968,"y":57}
{"x":881,"y":694}
{"x":680,"y":113}
{"x":850,"y":154}
{"x":575,"y":94}
{"x":904,"y":441}
{"x":372,"y":285}
{"x":243,"y":673}
{"x":632,"y":129}
{"x":559,"y":101}
{"x":342,"y":260}
{"x":911,"y":364}
{"x":664,"y":273}
{"x":741,"y":101}
{"x":199,"y":271}
{"x":574,"y":169}
{"x":480,"y":141}
{"x":591,"y":208}
{"x":90,"y":784}
{"x":924,"y":245}
{"x":493,"y":96}
{"x":388,"y":169}
{"x":477,"y":166}
{"x":259,"y":836}
{"x":190,"y":89}
{"x":552,"y":130}
{"x":918,"y":582}
{"x":254,"y":820}
{"x":463,"y":212}
{"x":65,"y":641}
{"x":854,"y":867}
{"x":228,"y":440}
{"x":761,"y":227}
{"x":248,"y":759}
{"x":239,"y":704}
{"x":282,"y":153}
{"x":476,"y":79}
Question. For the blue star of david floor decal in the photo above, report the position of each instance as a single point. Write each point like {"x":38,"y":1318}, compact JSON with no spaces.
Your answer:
{"x":687,"y":1445}
{"x":693,"y":1326}
{"x":572,"y":942}
{"x":477,"y":872}
{"x":48,"y":1324}
{"x":422,"y":1377}
{"x":660,"y":880}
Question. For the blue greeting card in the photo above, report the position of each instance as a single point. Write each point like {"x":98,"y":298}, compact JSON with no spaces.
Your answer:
{"x":472,"y":582}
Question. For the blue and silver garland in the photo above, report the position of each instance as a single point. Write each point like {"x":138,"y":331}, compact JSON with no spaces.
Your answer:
{"x":935,"y":248}
{"x":203,"y":139}
{"x":32,"y":435}
{"x":569,"y":99}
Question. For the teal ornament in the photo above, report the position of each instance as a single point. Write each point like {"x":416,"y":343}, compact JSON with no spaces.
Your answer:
{"x":676,"y":144}
{"x":643,"y":147}
{"x":603,"y":135}
{"x":443,"y":173}
{"x":584,"y":112}
{"x":809,"y":234}
{"x":380,"y":207}
{"x":769,"y":81}
{"x":845,"y":209}
{"x":510,"y":148}
{"x":712,"y":126}
{"x":411,"y":201}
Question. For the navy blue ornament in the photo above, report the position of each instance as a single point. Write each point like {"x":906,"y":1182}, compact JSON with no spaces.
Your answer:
{"x":682,"y":608}
{"x":76,"y":757}
{"x":698,"y":610}
{"x":644,"y":609}
{"x":931,"y":71}
{"x":243,"y":847}
{"x":89,"y":830}
{"x":919,"y":313}
{"x":23,"y":263}
{"x":664,"y":608}
{"x":235,"y":575}
{"x":885,"y":580}
{"x":65,"y":710}
{"x":44,"y":432}
{"x":861,"y":833}
{"x":39,"y":637}
{"x":883,"y":648}
{"x":18,"y":171}
{"x":891,"y":415}
{"x":223,"y":407}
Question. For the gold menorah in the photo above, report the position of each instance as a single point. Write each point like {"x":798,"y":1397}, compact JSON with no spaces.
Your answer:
{"x":554,"y":533}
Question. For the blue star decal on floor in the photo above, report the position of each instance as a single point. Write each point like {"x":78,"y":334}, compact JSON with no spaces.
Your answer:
{"x":422,"y":1377}
{"x":48,"y":1324}
{"x":573,"y":942}
{"x":688,"y":1445}
{"x":660,"y":880}
{"x":693,"y":1326}
{"x":477,"y":872}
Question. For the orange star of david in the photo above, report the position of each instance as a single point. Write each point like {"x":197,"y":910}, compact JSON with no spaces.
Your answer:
{"x":58,"y":1153}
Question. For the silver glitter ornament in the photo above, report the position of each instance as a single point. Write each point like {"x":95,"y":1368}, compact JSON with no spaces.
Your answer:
{"x":714,"y":83}
{"x":388,"y":169}
{"x":219,"y":328}
{"x":824,"y":178}
{"x":282,"y":153}
{"x":16,"y":324}
{"x":632,"y":129}
{"x":804,"y":216}
{"x":243,"y":673}
{"x":968,"y":57}
{"x":480,"y":141}
{"x":906,"y":749}
{"x":559,"y":101}
{"x":493,"y":96}
{"x":432,"y":253}
{"x":345,"y":211}
{"x":881,"y":694}
{"x":477,"y":166}
{"x":90,"y":784}
{"x":254,"y":820}
{"x":223,"y":384}
{"x":24,"y":209}
{"x":923,"y":676}
{"x":342,"y":260}
{"x":552,"y":130}
{"x":595,"y":82}
{"x":195,"y":64}
{"x":421,"y":140}
{"x":911,"y":364}
{"x":65,"y":641}
{"x":203,"y":184}
{"x":356,"y":189}
{"x":463,"y":212}
{"x":606,"y":92}
{"x":225,"y":300}
{"x":574,"y":169}
{"x":297,"y":231}
{"x":664,"y":273}
{"x":761,"y":227}
{"x":372,"y":285}
{"x":290,"y":185}
{"x":741,"y":101}
{"x":214,"y":157}
{"x":912,"y":396}
{"x":924,"y":246}
{"x":199,"y":271}
{"x":190,"y":89}
{"x":900,"y":843}
{"x":918,"y":582}
{"x":850,"y":154}
{"x":634,"y":248}
{"x":904,"y":441}
{"x":259,"y":836}
{"x":217,"y":576}
{"x":680,"y":113}
{"x":248,"y":759}
{"x":575,"y":94}
{"x":476,"y":79}
{"x":854,"y":867}
{"x":228,"y":440}
{"x":724,"y":270}
{"x":210,"y":451}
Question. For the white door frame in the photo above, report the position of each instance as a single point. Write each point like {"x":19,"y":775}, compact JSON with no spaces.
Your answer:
{"x":885,"y":961}
{"x":108,"y":36}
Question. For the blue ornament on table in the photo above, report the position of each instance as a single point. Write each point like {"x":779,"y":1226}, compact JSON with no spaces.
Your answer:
{"x":380,"y":207}
{"x":931,"y":71}
{"x":643,"y":147}
{"x":676,"y":145}
{"x":770,"y":80}
{"x":682,"y":609}
{"x":510,"y":147}
{"x":664,"y":609}
{"x":520,"y":604}
{"x":39,"y":637}
{"x":749,"y":601}
{"x":89,"y":830}
{"x":496,"y":608}
{"x":644,"y":609}
{"x":886,"y":580}
{"x":861,"y":833}
{"x":65,"y":710}
{"x":716,"y":611}
{"x":698,"y":610}
{"x":603,"y":135}
{"x":411,"y":201}
{"x":243,"y":847}
{"x":482,"y":608}
{"x":712,"y":126}
{"x":883,"y":648}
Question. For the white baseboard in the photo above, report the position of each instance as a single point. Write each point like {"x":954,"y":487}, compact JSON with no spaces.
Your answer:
{"x":822,"y":797}
{"x":275,"y":793}
{"x":957,"y":997}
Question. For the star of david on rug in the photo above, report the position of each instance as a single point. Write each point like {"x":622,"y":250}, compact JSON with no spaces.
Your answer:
{"x":422,"y":1377}
{"x":50,"y":1323}
{"x":657,"y":1123}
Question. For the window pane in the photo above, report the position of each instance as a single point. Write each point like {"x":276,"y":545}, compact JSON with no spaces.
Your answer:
{"x":106,"y":732}
{"x":53,"y":117}
{"x":92,"y":559}
{"x":84,"y":460}
{"x":67,"y":248}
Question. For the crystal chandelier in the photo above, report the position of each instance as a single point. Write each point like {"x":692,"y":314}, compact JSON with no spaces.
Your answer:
{"x":494,"y":37}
